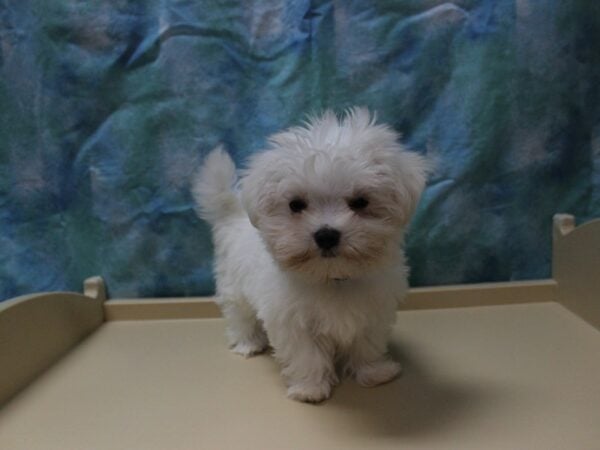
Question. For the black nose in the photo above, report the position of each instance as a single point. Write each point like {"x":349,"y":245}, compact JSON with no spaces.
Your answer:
{"x":327,"y":238}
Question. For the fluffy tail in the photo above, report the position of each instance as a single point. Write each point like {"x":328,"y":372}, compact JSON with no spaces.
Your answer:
{"x":213,"y":188}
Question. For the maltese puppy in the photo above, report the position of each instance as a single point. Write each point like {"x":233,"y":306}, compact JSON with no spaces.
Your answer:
{"x":309,"y":255}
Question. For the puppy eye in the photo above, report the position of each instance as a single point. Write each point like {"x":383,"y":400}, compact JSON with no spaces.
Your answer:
{"x":297,"y":205}
{"x":358,"y":203}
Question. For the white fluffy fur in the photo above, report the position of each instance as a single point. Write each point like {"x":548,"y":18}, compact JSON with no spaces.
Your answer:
{"x":323,"y":315}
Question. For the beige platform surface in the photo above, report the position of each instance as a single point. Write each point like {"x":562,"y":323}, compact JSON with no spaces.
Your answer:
{"x":497,"y":377}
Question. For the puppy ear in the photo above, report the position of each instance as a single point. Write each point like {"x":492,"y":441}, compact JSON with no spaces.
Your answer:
{"x":411,"y":172}
{"x":250,"y":194}
{"x":256,"y":185}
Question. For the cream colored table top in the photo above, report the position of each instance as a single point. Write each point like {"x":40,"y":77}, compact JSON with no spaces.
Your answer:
{"x":500,"y":377}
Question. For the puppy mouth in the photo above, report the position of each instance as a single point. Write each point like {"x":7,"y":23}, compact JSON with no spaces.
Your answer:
{"x":328,"y":254}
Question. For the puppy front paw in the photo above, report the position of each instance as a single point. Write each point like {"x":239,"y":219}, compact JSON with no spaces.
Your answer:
{"x":250,"y":347}
{"x":309,"y":392}
{"x":377,"y":373}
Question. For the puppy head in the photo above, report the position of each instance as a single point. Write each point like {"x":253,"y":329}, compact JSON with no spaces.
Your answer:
{"x":331,"y":198}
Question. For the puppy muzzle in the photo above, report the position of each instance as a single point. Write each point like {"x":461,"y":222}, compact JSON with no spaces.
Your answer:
{"x":327,"y":240}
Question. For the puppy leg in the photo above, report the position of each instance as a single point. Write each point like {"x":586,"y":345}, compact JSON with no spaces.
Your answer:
{"x":307,"y":367}
{"x":245,"y":332}
{"x":368,"y":362}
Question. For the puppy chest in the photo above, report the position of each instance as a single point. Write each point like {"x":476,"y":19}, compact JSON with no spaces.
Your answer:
{"x":340,"y":323}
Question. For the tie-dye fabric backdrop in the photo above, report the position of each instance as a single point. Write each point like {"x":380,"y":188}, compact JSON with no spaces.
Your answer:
{"x":107,"y":108}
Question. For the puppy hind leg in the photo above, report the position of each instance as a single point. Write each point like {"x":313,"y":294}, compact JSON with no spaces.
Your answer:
{"x":244,"y":331}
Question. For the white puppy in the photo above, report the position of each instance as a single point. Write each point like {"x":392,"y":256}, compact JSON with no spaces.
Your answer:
{"x":310,"y":260}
